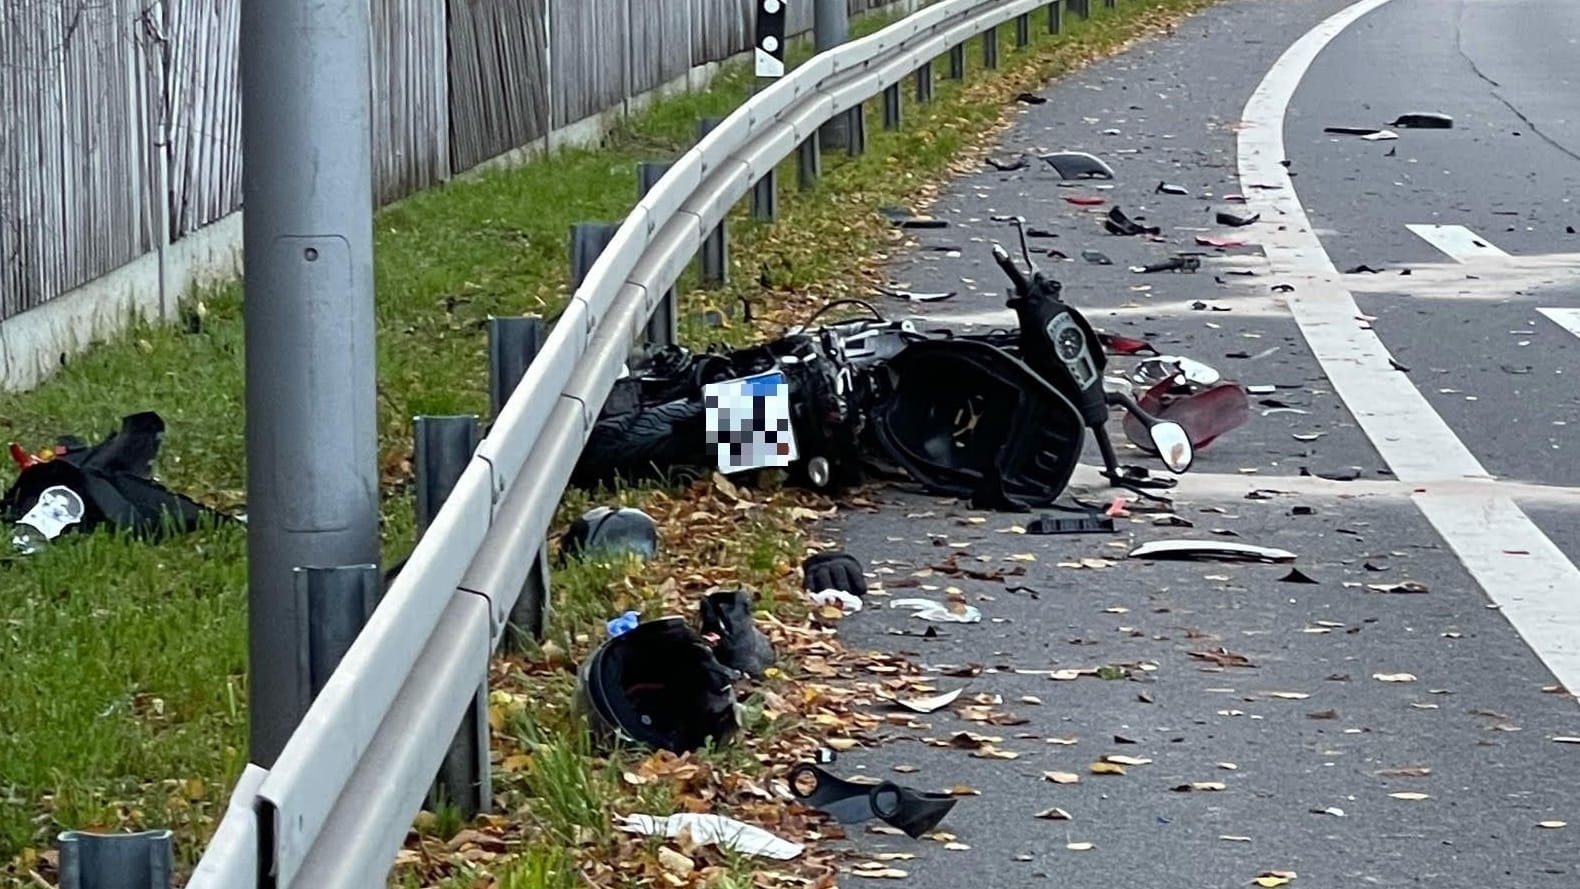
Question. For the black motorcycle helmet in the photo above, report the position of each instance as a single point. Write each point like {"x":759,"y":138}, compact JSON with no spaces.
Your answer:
{"x":659,"y":686}
{"x":607,"y":530}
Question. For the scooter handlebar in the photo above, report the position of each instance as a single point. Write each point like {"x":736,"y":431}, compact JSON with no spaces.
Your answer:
{"x":1001,"y":256}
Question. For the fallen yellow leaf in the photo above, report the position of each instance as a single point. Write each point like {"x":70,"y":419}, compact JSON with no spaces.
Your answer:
{"x":1078,"y":847}
{"x":1410,"y":795}
{"x":1552,"y":825}
{"x":1062,"y":777}
{"x":1394,"y":677}
{"x":1106,"y":768}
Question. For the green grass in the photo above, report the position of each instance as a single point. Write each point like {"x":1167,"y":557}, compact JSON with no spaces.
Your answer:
{"x":122,"y":664}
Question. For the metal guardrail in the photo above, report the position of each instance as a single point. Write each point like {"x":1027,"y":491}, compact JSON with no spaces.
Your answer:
{"x":335,"y":808}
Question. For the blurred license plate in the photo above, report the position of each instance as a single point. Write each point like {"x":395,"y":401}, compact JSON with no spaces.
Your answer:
{"x":748,"y":422}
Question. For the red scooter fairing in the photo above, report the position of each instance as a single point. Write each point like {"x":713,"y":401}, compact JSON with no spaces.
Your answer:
{"x":1205,"y":413}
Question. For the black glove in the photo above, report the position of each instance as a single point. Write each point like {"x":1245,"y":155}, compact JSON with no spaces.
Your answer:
{"x":834,"y":571}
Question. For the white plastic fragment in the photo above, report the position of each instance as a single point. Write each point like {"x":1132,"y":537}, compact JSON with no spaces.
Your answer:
{"x":726,"y":833}
{"x":845,"y":601}
{"x":927,"y":609}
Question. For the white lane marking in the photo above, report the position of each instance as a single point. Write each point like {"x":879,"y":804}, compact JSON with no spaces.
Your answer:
{"x":1568,"y":319}
{"x":1234,"y":486}
{"x":1521,"y":571}
{"x":1458,"y":242}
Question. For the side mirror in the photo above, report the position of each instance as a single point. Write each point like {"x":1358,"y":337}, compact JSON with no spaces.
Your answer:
{"x":1173,"y":445}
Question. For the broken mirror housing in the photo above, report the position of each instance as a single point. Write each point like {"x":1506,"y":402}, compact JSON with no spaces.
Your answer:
{"x":620,"y":530}
{"x":966,"y":414}
{"x":657,"y":685}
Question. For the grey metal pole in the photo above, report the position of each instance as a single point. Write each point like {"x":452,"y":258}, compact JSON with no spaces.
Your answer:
{"x":338,"y":602}
{"x":512,"y":345}
{"x":663,"y":328}
{"x":312,"y":439}
{"x":830,"y":28}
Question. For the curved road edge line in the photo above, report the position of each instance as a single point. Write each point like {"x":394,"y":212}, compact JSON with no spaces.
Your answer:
{"x":1526,"y":577}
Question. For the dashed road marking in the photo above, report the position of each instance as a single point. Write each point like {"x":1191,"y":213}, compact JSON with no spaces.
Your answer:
{"x":1458,"y":242}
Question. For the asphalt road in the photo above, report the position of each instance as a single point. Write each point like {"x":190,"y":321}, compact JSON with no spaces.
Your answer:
{"x":1466,"y":714}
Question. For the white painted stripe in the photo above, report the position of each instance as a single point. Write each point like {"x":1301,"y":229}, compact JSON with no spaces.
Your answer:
{"x":1537,"y":588}
{"x":1458,"y":242}
{"x":1568,"y":319}
{"x":1235,"y":486}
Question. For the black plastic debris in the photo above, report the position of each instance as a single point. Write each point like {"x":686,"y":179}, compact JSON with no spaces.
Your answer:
{"x":1031,"y":99}
{"x":1302,"y":510}
{"x":1362,"y":269}
{"x":1295,"y":575}
{"x":1516,"y":369}
{"x":917,"y":296}
{"x":1283,"y":288}
{"x":1078,"y":165}
{"x":658,"y":686}
{"x":1353,"y":131}
{"x":835,"y":570}
{"x":1182,"y":263}
{"x":906,"y":219}
{"x":1096,"y":257}
{"x":737,"y":643}
{"x":1423,"y":120}
{"x":1170,"y":188}
{"x":1087,"y":523}
{"x":1118,"y":223}
{"x":1210,"y":550}
{"x":1008,"y":166}
{"x":84,"y":487}
{"x":1237,"y":220}
{"x":611,"y":532}
{"x":1041,"y":233}
{"x":913,"y":811}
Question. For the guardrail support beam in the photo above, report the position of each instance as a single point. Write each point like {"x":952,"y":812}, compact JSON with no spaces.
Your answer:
{"x":1110,"y":4}
{"x":957,"y":62}
{"x":115,"y":860}
{"x":809,"y":162}
{"x":512,"y":344}
{"x":830,"y":28}
{"x":715,"y":254}
{"x":664,"y":327}
{"x":892,"y":110}
{"x":990,"y":48}
{"x":337,"y":602}
{"x":1083,"y":8}
{"x":765,"y":197}
{"x":924,"y":83}
{"x":1023,"y":30}
{"x":1056,"y":16}
{"x":444,"y":447}
{"x":856,"y":127}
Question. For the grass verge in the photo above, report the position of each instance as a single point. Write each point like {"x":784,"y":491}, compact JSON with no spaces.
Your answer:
{"x":122,"y":665}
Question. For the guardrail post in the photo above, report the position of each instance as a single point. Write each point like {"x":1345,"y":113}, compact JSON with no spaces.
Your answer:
{"x":765,"y":197}
{"x":892,"y":112}
{"x":924,"y":82}
{"x":957,"y":62}
{"x":990,"y":47}
{"x":1056,"y":16}
{"x":115,"y":860}
{"x":512,"y":344}
{"x":856,"y":126}
{"x":1110,"y":4}
{"x":830,"y":28}
{"x":587,"y":241}
{"x":809,"y":162}
{"x":443,"y":448}
{"x":1083,"y":8}
{"x":716,"y":246}
{"x":663,"y":328}
{"x":336,"y":602}
{"x":1023,"y":30}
